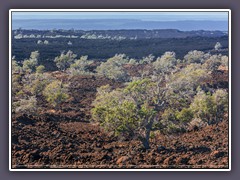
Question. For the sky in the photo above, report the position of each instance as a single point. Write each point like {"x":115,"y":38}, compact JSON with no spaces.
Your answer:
{"x":145,"y":16}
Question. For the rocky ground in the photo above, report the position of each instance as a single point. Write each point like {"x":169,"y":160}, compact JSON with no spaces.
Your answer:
{"x":45,"y":143}
{"x":68,"y":140}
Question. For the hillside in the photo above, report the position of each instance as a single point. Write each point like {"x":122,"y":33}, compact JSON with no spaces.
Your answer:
{"x":67,"y":139}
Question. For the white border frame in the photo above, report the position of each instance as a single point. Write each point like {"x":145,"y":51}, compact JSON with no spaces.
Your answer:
{"x":116,"y":10}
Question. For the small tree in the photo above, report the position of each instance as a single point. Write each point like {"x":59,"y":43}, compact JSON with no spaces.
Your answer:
{"x":185,"y":115}
{"x":29,"y":65}
{"x":210,"y":108}
{"x":133,"y":61}
{"x":220,"y":100}
{"x":56,"y":93}
{"x":113,"y":68}
{"x":182,"y":85}
{"x":147,"y":60}
{"x":39,"y":42}
{"x":39,"y":82}
{"x":65,"y":60}
{"x":213,"y":62}
{"x":27,"y":106}
{"x":217,"y":46}
{"x":195,"y":57}
{"x":16,"y":69}
{"x":46,"y":42}
{"x":224,"y":61}
{"x":80,"y":66}
{"x":40,"y":69}
{"x":16,"y":84}
{"x":165,"y":63}
{"x":131,"y":111}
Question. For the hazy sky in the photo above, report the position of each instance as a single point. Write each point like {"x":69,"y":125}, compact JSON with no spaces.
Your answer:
{"x":153,"y":16}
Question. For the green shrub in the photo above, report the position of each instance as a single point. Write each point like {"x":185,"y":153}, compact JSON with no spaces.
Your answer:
{"x":29,"y":65}
{"x":80,"y":67}
{"x":26,"y":106}
{"x":113,"y":68}
{"x":65,"y":60}
{"x":56,"y":93}
{"x":40,"y":69}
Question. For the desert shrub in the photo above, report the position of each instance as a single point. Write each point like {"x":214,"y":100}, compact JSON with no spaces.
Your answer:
{"x":40,"y":69}
{"x":185,"y":115}
{"x":224,"y":61}
{"x":26,"y":106}
{"x":172,"y":121}
{"x":203,"y":106}
{"x":130,"y":111}
{"x":182,"y":85}
{"x":16,"y":68}
{"x":56,"y":93}
{"x":80,"y":66}
{"x":147,"y":60}
{"x":65,"y":60}
{"x":45,"y":42}
{"x":165,"y":63}
{"x":39,"y":83}
{"x":113,"y":68}
{"x":169,"y":115}
{"x":29,"y":65}
{"x":210,"y":108}
{"x":16,"y":84}
{"x":220,"y":100}
{"x":133,"y":61}
{"x":195,"y":57}
{"x":213,"y":62}
{"x":217,"y":46}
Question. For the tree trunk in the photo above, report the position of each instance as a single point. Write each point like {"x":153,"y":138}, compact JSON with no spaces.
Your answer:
{"x":145,"y":143}
{"x":145,"y":139}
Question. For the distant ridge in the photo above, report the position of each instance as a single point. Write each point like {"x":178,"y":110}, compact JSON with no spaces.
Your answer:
{"x":117,"y":24}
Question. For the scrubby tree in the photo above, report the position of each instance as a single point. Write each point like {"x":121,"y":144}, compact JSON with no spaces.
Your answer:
{"x":113,"y":68}
{"x":39,"y":42}
{"x":224,"y":60}
{"x":133,"y":61}
{"x":147,"y":60}
{"x":40,"y":69}
{"x":26,"y":106}
{"x":182,"y":85}
{"x":213,"y":62}
{"x":166,"y":63}
{"x":39,"y":82}
{"x":46,"y":42}
{"x":81,"y":66}
{"x":185,"y":115}
{"x":29,"y":65}
{"x":196,"y":57}
{"x":56,"y":93}
{"x":16,"y":84}
{"x":210,"y":108}
{"x":65,"y":60}
{"x":16,"y":68}
{"x":168,"y":122}
{"x":217,"y":46}
{"x":131,"y":111}
{"x":220,"y":100}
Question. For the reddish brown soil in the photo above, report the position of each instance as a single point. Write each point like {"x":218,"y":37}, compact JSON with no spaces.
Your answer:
{"x":48,"y":143}
{"x":82,"y":90}
{"x":66,"y":139}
